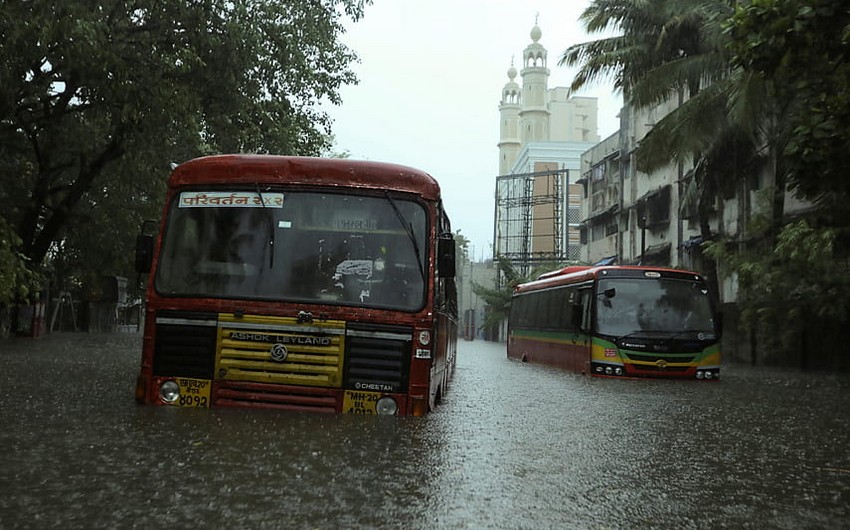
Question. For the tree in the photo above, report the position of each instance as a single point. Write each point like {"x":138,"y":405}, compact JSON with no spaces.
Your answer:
{"x":794,"y":291}
{"x":792,"y":275}
{"x":17,"y":281}
{"x":461,"y":250}
{"x":802,"y":48}
{"x":97,"y":99}
{"x":678,"y":50}
{"x":665,"y":50}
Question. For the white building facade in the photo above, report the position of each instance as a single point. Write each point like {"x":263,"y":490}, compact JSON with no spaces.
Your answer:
{"x":543,"y":133}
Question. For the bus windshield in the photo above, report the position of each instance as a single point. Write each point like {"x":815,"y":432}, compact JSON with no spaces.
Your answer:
{"x":676,"y":307}
{"x":275,"y":244}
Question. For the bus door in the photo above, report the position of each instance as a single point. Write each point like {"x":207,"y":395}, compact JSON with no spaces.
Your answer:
{"x":582,"y":316}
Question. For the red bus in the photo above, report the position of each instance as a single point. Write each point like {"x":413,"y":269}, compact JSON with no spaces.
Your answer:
{"x":617,"y":321}
{"x":298,"y":283}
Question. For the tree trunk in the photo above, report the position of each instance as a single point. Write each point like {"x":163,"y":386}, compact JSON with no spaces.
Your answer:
{"x":705,"y":201}
{"x":37,"y":242}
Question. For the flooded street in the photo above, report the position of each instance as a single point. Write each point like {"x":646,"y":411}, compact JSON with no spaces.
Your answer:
{"x":513,"y":446}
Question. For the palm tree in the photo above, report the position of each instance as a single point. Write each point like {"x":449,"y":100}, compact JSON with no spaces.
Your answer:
{"x":677,"y":49}
{"x":667,"y":49}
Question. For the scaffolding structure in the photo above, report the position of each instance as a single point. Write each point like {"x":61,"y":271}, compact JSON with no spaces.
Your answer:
{"x":529,"y":219}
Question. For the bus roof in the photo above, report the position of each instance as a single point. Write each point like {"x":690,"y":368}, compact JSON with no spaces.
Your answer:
{"x":275,"y":169}
{"x":577,"y":274}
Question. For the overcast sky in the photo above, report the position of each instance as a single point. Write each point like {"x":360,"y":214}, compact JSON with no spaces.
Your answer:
{"x":431,"y":74}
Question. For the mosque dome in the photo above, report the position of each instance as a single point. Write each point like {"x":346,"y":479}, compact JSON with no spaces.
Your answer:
{"x":536,"y":33}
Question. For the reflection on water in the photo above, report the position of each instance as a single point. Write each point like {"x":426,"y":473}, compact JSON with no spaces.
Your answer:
{"x":514,"y":446}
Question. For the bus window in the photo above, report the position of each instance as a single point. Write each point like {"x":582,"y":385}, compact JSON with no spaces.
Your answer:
{"x":631,"y":305}
{"x":330,"y":248}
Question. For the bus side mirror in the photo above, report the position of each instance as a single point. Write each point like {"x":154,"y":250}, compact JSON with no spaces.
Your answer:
{"x":446,"y":256}
{"x":144,"y":247}
{"x":144,"y":253}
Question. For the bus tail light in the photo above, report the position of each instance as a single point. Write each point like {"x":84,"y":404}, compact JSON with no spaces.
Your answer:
{"x":420,"y":406}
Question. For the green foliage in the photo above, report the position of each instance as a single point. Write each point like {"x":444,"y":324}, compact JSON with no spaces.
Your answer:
{"x":760,"y":84}
{"x":675,"y":50}
{"x":803,"y":48}
{"x":461,"y":250}
{"x":803,"y":275}
{"x":17,"y":281}
{"x":498,"y":300}
{"x":97,"y":99}
{"x":331,"y":151}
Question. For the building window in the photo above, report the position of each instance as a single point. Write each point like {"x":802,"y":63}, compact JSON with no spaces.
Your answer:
{"x":597,"y":232}
{"x":654,"y":208}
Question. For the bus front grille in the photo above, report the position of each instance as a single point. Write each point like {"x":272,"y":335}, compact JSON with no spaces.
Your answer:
{"x":652,"y":358}
{"x":279,"y":351}
{"x":184,"y":345}
{"x":270,"y":396}
{"x":377,"y":357}
{"x":659,"y":369}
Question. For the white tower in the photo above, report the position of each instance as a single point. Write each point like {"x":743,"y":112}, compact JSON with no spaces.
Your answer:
{"x":534,"y":115}
{"x":509,"y":134}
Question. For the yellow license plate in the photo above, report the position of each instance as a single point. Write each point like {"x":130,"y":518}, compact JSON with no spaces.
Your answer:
{"x":193,"y":392}
{"x":360,"y":402}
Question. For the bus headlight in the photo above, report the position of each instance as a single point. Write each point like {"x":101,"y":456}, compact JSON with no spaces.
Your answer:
{"x":386,"y":406}
{"x":709,"y":374}
{"x":169,"y":391}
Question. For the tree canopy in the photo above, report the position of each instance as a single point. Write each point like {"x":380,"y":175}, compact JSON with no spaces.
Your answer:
{"x":803,"y":48}
{"x":97,"y":99}
{"x":751,"y":77}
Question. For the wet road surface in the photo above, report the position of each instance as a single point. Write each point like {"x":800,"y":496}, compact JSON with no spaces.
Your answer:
{"x":513,"y":446}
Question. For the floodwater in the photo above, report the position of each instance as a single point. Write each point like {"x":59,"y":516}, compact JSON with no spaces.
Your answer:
{"x":514,"y":446}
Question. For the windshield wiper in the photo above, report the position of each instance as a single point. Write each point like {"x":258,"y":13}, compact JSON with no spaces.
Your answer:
{"x":408,"y":228}
{"x":679,"y":333}
{"x":631,"y":334}
{"x":270,"y":218}
{"x":659,"y":334}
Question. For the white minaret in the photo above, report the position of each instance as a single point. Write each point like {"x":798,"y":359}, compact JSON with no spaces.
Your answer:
{"x":509,"y":135}
{"x":534,"y":115}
